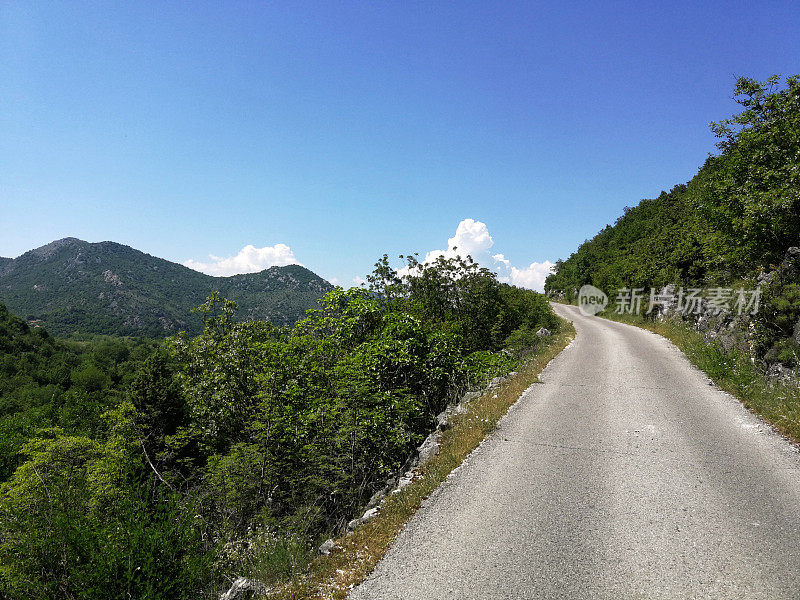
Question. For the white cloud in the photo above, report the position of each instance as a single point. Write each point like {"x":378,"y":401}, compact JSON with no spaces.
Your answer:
{"x":249,"y":260}
{"x":531,"y":277}
{"x":359,"y":281}
{"x":472,"y":238}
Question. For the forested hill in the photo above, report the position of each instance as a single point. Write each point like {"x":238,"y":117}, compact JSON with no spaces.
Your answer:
{"x":735,"y":219}
{"x":72,"y":286}
{"x":735,"y":224}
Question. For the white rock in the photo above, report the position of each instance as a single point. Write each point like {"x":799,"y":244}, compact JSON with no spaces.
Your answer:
{"x":326,"y":547}
{"x":429,"y":447}
{"x":370,"y":514}
{"x":245,"y":589}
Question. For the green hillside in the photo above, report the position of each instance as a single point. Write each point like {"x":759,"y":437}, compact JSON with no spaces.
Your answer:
{"x":73,"y":286}
{"x":738,"y":215}
{"x":737,"y":222}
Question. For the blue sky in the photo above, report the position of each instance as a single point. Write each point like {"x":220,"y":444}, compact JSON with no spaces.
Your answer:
{"x":346,"y":130}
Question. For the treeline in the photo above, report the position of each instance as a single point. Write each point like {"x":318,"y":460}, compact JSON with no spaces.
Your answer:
{"x":729,"y":224}
{"x":235,"y":451}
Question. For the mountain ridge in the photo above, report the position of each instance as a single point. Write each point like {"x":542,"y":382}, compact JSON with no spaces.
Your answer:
{"x":73,"y":287}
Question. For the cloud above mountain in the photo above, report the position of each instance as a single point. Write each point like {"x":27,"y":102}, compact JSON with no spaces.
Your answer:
{"x":249,"y":260}
{"x":473,"y":238}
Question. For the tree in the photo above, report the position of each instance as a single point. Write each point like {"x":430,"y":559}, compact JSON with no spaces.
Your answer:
{"x":750,"y":192}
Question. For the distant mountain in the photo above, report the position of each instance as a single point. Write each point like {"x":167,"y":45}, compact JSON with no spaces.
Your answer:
{"x":72,"y":286}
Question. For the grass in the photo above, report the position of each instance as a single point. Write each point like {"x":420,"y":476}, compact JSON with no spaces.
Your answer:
{"x":357,"y":554}
{"x":778,"y":404}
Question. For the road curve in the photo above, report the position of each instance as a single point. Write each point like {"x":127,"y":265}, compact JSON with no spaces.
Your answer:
{"x":626,"y":475}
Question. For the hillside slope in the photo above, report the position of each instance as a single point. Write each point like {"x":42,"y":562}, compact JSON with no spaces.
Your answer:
{"x":736,"y":224}
{"x":74,"y":286}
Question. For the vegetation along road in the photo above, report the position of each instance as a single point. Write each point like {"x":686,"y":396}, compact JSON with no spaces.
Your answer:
{"x":625,"y":475}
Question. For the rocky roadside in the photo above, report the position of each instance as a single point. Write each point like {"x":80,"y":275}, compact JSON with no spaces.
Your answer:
{"x":740,"y":332}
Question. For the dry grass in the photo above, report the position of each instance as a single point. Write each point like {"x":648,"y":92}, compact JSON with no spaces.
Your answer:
{"x":357,"y":554}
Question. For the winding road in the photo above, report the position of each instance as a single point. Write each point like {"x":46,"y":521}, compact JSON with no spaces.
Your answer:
{"x":625,"y":475}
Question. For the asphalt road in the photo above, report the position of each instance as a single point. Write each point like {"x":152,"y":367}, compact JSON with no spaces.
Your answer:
{"x":625,"y":475}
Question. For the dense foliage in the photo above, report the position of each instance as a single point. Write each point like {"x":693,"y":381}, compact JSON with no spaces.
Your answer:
{"x":731,"y":223}
{"x":46,"y":382}
{"x":233,"y":451}
{"x":71,"y":286}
